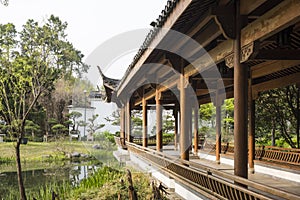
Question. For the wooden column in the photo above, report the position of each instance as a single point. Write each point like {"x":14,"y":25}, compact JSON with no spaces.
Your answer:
{"x":122,"y":125}
{"x":158,"y":121}
{"x":190,"y":133}
{"x":196,"y":129}
{"x":251,"y":131}
{"x":218,"y":132}
{"x":175,"y":114}
{"x":184,"y":122}
{"x":298,"y":115}
{"x":240,"y":104}
{"x":218,"y":104}
{"x":145,"y":123}
{"x":128,"y":121}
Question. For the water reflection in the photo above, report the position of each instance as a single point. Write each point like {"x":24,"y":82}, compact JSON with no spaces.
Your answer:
{"x":80,"y":172}
{"x":34,"y":179}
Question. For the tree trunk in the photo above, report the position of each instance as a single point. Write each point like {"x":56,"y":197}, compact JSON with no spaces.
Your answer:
{"x":19,"y":171}
{"x":32,"y":133}
{"x":273,"y":137}
{"x":273,"y":134}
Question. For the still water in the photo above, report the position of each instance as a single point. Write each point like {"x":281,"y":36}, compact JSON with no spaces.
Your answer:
{"x":37,"y":178}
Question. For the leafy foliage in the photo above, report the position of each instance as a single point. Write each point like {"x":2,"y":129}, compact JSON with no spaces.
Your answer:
{"x":31,"y":61}
{"x":276,"y":116}
{"x":114,"y":119}
{"x":92,"y":126}
{"x":74,"y":116}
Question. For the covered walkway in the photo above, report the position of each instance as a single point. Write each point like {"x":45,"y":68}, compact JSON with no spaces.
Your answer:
{"x":202,"y":51}
{"x":219,"y":179}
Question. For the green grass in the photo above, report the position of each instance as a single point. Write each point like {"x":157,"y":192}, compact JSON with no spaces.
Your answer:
{"x":39,"y":151}
{"x":39,"y":155}
{"x":104,"y":184}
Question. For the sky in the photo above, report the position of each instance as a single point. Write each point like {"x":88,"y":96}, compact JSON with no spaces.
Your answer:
{"x":90,"y":23}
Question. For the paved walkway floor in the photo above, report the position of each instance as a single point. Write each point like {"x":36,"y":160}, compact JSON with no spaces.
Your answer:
{"x":267,"y":175}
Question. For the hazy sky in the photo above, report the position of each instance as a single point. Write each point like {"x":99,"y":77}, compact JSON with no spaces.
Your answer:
{"x":90,"y":22}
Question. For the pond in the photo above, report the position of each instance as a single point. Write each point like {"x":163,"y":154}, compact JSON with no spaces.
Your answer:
{"x":35,"y":179}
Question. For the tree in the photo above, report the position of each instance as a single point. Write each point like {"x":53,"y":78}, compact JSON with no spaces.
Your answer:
{"x":228,"y":121}
{"x":168,"y":123}
{"x":58,"y":129}
{"x":31,"y":127}
{"x":74,"y":116}
{"x":31,"y":61}
{"x":280,"y":124}
{"x":92,"y":126}
{"x":114,"y":119}
{"x":208,"y":114}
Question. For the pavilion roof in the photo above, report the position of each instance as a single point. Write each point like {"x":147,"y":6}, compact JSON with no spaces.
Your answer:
{"x":109,"y":84}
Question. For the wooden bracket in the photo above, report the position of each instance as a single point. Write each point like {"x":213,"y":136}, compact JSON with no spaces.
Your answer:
{"x":225,"y":17}
{"x":158,"y":95}
{"x":248,"y":51}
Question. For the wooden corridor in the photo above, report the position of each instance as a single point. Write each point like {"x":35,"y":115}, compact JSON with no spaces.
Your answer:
{"x":217,"y":180}
{"x":265,"y":179}
{"x":243,"y":48}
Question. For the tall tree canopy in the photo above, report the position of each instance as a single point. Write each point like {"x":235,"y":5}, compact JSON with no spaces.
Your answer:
{"x":276,"y":116}
{"x":31,"y":61}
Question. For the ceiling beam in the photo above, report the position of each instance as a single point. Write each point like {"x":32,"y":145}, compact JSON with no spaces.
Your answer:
{"x":174,"y":15}
{"x":270,"y":67}
{"x":206,"y":100}
{"x":278,"y":54}
{"x":275,"y":20}
{"x":277,"y":83}
{"x":248,"y":6}
{"x":161,"y":88}
{"x":206,"y":36}
{"x":200,"y":92}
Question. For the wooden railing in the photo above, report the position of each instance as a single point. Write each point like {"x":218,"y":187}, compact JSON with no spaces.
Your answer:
{"x":286,"y":156}
{"x":264,"y":153}
{"x":209,"y":182}
{"x":120,"y":142}
{"x":277,"y":154}
{"x":152,"y":141}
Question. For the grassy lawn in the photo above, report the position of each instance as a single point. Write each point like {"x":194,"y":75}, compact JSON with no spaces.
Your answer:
{"x":40,"y":155}
{"x":37,"y":151}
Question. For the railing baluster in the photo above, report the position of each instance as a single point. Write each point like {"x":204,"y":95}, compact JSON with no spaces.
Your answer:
{"x":211,"y":183}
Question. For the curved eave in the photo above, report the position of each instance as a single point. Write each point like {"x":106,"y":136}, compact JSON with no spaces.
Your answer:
{"x":165,"y":21}
{"x":109,"y":84}
{"x":269,"y":14}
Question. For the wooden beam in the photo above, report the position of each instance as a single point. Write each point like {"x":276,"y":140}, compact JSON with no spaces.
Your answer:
{"x":224,"y":16}
{"x":278,"y":54}
{"x":270,"y":67}
{"x":173,"y":17}
{"x":249,"y":6}
{"x":200,"y":92}
{"x":168,"y":84}
{"x":198,"y":26}
{"x":213,"y":57}
{"x":209,"y":99}
{"x":206,"y":36}
{"x":275,"y":20}
{"x":280,"y":17}
{"x":277,"y":83}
